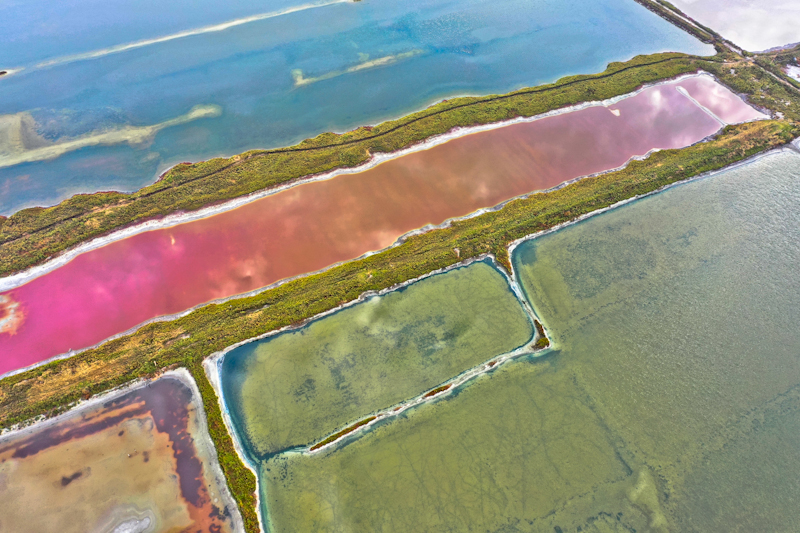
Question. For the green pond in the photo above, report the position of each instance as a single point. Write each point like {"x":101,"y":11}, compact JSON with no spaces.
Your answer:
{"x":297,"y":387}
{"x":670,"y":400}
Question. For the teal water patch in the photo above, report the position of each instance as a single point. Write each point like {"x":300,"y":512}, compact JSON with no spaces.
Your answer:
{"x":275,"y":80}
{"x":669,"y":403}
{"x":297,"y":387}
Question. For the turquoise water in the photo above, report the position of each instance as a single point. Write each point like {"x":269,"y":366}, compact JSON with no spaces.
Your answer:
{"x":246,"y":74}
{"x":669,"y":402}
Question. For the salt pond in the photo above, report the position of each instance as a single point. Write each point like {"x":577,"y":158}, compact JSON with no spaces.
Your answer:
{"x":756,"y":25}
{"x":297,"y":387}
{"x":138,"y":460}
{"x":111,"y":289}
{"x":368,"y":61}
{"x":670,"y":402}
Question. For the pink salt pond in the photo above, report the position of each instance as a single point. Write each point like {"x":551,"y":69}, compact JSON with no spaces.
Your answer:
{"x":719,"y":100}
{"x":310,"y":226}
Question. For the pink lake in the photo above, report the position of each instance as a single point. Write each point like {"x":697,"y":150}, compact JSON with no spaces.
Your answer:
{"x":719,"y":100}
{"x":308,"y":227}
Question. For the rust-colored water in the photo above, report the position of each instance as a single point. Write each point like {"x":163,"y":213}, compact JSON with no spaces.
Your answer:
{"x":132,"y":457}
{"x":306,"y":228}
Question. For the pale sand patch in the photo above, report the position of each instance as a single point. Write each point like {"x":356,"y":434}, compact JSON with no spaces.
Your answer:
{"x":11,"y":316}
{"x":300,"y":80}
{"x":180,"y":35}
{"x":20,"y":278}
{"x":19,"y":142}
{"x":5,"y":72}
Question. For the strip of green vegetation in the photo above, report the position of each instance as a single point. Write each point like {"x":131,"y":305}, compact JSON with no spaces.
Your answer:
{"x":190,"y":339}
{"x":342,"y":433}
{"x":775,"y":62}
{"x":32,"y":236}
{"x":760,"y":88}
{"x":241,"y":481}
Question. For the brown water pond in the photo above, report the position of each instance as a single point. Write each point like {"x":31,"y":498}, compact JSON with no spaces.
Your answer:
{"x":140,"y":461}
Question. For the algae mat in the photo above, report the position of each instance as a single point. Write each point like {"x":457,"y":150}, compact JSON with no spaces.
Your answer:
{"x":670,"y":401}
{"x":299,"y":386}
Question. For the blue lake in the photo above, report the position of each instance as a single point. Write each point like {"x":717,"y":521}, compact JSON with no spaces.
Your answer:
{"x":268,"y":82}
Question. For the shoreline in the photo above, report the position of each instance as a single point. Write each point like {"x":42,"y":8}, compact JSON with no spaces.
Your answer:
{"x":162,"y":171}
{"x":467,"y":376}
{"x":212,"y":362}
{"x":20,"y":278}
{"x":210,"y":365}
{"x":33,"y":237}
{"x":22,"y":407}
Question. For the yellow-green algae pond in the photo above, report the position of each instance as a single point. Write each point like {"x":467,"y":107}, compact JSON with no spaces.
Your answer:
{"x":670,"y":400}
{"x":296,"y":388}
